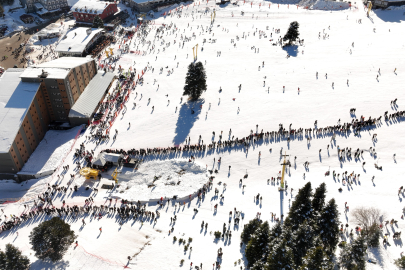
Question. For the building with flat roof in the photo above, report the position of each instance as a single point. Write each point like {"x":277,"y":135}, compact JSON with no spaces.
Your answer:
{"x":62,"y":80}
{"x":23,"y":119}
{"x":85,"y":11}
{"x":77,"y":41}
{"x":32,"y":98}
{"x":87,"y":104}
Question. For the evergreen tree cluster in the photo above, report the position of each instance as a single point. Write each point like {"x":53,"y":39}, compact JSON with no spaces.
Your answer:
{"x":51,"y":239}
{"x":195,"y":81}
{"x":12,"y":259}
{"x":307,"y":239}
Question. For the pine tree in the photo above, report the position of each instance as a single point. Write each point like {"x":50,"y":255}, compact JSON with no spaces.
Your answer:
{"x":98,"y":22}
{"x":1,"y":10}
{"x":316,"y":259}
{"x":259,"y":265}
{"x":400,"y":262}
{"x":302,"y":241}
{"x":352,"y":256}
{"x":51,"y":239}
{"x":276,"y":231}
{"x":373,"y":236}
{"x":292,"y":33}
{"x":249,"y":229}
{"x":195,"y":81}
{"x":318,"y":202}
{"x":301,"y":208}
{"x":256,"y":248}
{"x":12,"y":259}
{"x":280,"y":257}
{"x":328,"y":226}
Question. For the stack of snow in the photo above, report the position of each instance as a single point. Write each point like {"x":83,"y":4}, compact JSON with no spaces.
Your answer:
{"x":329,"y":5}
{"x":156,"y":179}
{"x":396,"y":8}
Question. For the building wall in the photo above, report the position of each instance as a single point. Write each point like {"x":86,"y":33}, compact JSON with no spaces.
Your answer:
{"x":7,"y":164}
{"x":61,"y":94}
{"x":85,"y":15}
{"x":42,"y":110}
{"x":21,"y":147}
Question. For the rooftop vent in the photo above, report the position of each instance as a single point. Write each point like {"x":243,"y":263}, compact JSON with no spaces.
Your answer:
{"x":44,"y":74}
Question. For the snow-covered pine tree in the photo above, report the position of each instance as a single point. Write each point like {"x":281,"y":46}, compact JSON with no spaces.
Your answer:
{"x":358,"y":251}
{"x":328,"y":227}
{"x":316,"y":259}
{"x":280,"y":257}
{"x":259,"y":265}
{"x":195,"y":81}
{"x":292,"y":33}
{"x":276,"y":231}
{"x":12,"y":259}
{"x":400,"y":262}
{"x":302,"y":241}
{"x":98,"y":22}
{"x":318,"y":201}
{"x":258,"y":243}
{"x":51,"y":239}
{"x":249,"y":229}
{"x":301,"y":208}
{"x":352,"y":256}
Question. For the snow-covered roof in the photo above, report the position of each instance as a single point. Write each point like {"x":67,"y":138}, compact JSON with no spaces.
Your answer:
{"x":53,"y":73}
{"x":104,"y":157}
{"x":95,"y":7}
{"x":76,"y":40}
{"x":65,"y":62}
{"x":55,"y":69}
{"x":91,"y":96}
{"x":46,"y":32}
{"x":15,"y":99}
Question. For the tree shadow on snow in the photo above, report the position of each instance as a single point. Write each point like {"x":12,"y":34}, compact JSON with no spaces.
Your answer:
{"x":291,"y":50}
{"x":186,"y":119}
{"x":48,"y":265}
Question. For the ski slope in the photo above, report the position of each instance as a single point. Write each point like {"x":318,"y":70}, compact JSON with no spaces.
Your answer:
{"x":262,"y":104}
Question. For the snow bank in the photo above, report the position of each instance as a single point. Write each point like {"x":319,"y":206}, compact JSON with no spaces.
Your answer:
{"x":327,"y":5}
{"x":396,"y":8}
{"x":51,"y":151}
{"x":156,"y":179}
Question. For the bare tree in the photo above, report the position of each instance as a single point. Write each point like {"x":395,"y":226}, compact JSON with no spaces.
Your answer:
{"x":367,"y":217}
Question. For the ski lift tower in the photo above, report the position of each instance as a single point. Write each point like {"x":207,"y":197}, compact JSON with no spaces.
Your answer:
{"x":282,"y":187}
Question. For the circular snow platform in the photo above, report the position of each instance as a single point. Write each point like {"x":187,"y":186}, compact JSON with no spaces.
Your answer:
{"x":156,"y":179}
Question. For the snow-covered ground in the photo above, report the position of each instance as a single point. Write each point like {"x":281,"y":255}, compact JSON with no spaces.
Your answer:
{"x":156,"y":179}
{"x":51,"y":151}
{"x":346,"y":54}
{"x":12,"y":18}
